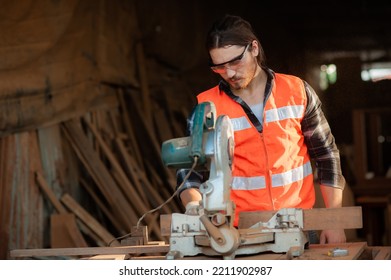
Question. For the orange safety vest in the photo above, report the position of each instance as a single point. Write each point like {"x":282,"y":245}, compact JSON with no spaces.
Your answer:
{"x":272,"y":169}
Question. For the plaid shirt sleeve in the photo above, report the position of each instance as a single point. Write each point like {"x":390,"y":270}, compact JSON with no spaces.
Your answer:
{"x":194,"y":181}
{"x":321,"y":143}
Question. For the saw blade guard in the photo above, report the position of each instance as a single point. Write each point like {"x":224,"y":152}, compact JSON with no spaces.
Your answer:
{"x":220,"y":152}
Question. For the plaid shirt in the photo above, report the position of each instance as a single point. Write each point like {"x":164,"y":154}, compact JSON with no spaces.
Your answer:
{"x":317,"y":136}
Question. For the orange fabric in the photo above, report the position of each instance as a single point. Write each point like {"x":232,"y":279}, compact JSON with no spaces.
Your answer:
{"x":279,"y":148}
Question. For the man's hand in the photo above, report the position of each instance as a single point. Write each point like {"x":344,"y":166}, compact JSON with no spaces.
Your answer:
{"x":192,"y":208}
{"x":332,"y":236}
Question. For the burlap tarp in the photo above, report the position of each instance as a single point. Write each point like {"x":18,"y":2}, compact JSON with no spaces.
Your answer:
{"x":56,"y":57}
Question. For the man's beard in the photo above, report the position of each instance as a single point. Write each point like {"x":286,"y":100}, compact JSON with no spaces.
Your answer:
{"x":242,"y":82}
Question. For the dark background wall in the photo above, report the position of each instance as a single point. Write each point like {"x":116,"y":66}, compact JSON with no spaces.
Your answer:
{"x":64,"y":60}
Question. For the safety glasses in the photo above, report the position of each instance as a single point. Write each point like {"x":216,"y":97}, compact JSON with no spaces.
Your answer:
{"x":232,"y":64}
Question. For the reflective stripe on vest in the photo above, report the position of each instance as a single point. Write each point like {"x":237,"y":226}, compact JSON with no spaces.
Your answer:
{"x":240,"y":123}
{"x":278,"y":180}
{"x":287,"y":112}
{"x":248,"y":183}
{"x":273,"y":115}
{"x":291,"y":176}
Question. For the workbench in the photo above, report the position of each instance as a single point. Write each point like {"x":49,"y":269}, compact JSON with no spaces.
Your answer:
{"x":139,"y":247}
{"x":356,"y":251}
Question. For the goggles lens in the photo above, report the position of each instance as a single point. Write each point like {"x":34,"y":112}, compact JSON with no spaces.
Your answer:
{"x":233,"y":64}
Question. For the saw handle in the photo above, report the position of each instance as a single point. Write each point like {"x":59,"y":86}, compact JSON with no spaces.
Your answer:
{"x":212,"y":230}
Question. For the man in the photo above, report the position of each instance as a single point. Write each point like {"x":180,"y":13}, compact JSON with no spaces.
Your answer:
{"x":279,"y":128}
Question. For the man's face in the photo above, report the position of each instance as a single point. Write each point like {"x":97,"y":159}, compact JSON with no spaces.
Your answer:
{"x":235,"y":64}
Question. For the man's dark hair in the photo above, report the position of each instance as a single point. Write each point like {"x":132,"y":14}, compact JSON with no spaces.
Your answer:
{"x":233,"y":30}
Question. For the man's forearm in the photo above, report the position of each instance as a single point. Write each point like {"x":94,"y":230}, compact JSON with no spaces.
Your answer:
{"x":190,"y":194}
{"x":332,"y":196}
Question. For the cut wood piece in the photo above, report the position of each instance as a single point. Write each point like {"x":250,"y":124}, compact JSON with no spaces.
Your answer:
{"x":165,"y":225}
{"x":314,"y":219}
{"x":64,"y":232}
{"x":89,"y":220}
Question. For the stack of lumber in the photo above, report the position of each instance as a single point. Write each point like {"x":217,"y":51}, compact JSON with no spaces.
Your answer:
{"x":121,"y":181}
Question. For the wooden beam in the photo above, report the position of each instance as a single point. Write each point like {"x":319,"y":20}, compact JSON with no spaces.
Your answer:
{"x":144,"y":249}
{"x":314,"y":219}
{"x":49,"y":193}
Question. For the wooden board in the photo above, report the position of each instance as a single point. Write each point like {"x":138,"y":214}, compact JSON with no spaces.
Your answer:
{"x":64,"y":232}
{"x":320,"y":251}
{"x":20,"y":253}
{"x":314,"y":219}
{"x":381,"y":253}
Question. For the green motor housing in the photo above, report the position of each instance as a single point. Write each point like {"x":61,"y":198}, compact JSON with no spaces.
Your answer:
{"x":180,"y":152}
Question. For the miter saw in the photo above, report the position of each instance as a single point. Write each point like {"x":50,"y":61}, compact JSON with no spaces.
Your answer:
{"x":211,"y":232}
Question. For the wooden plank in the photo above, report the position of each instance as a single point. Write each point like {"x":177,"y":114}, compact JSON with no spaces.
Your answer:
{"x":320,"y":251}
{"x":144,"y":249}
{"x":89,"y":220}
{"x":314,"y":219}
{"x":100,"y":174}
{"x":381,"y":253}
{"x":64,"y":232}
{"x":7,"y":158}
{"x":49,"y":193}
{"x":165,"y":225}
